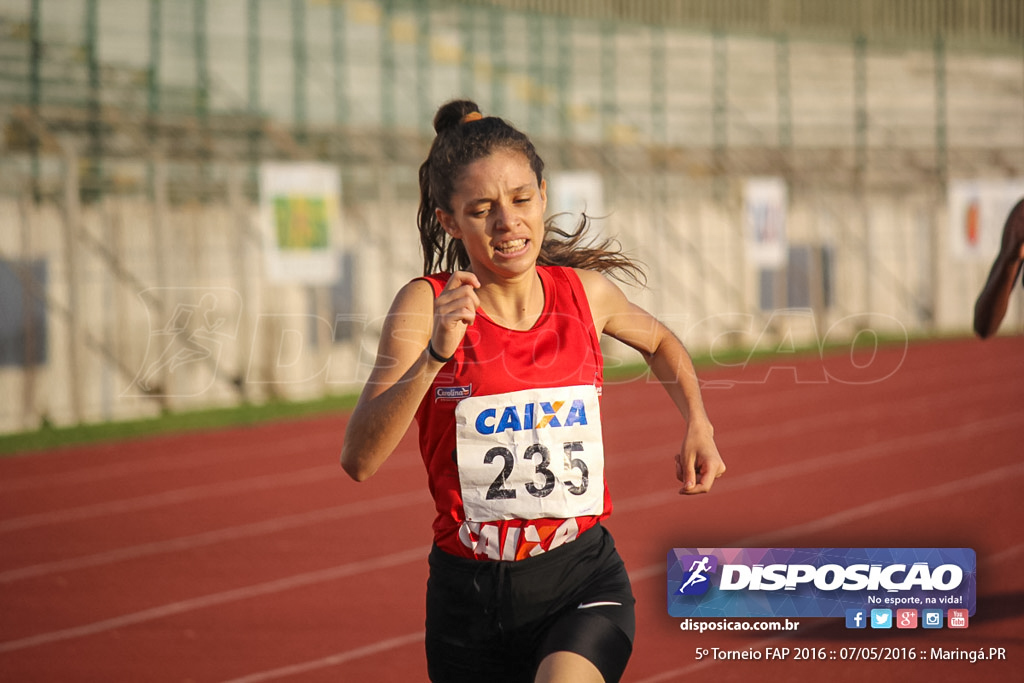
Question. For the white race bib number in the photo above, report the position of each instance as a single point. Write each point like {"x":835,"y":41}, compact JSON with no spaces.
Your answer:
{"x":531,"y":454}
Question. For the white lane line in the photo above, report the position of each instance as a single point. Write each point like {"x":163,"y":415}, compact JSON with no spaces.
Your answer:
{"x":634,"y":503}
{"x":214,"y":599}
{"x":930,"y":387}
{"x":269,"y":526}
{"x":156,"y":611}
{"x":992,"y":476}
{"x":332,"y":660}
{"x":206,"y":455}
{"x":175,"y":497}
{"x":843,"y":517}
{"x":276,"y":447}
{"x":189,"y":494}
{"x":828,"y":461}
{"x":833,"y":422}
{"x":1005,"y":554}
{"x":951,"y":488}
{"x":872,"y":509}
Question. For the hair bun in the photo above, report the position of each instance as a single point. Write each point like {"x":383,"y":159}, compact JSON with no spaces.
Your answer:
{"x":452,"y":113}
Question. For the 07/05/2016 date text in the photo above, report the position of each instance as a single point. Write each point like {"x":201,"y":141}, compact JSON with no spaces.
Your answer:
{"x":847,"y":654}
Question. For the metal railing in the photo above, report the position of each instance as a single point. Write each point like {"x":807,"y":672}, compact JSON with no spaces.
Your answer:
{"x":129,"y":165}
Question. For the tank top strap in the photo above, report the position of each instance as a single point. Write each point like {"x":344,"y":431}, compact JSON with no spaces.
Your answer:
{"x":437,"y":281}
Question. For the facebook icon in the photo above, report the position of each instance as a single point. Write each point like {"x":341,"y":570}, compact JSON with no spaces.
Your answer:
{"x":856,"y":618}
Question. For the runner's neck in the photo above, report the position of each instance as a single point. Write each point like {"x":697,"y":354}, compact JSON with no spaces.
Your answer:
{"x":515,"y":305}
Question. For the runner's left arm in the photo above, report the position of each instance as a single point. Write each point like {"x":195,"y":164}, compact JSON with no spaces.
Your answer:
{"x":698,"y":462}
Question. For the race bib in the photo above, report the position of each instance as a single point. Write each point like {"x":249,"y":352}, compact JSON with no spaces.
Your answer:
{"x":531,"y":454}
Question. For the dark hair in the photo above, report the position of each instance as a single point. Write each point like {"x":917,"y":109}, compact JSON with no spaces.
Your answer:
{"x":459,"y":142}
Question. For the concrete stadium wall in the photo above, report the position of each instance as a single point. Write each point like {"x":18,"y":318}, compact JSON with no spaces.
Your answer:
{"x":152,"y":296}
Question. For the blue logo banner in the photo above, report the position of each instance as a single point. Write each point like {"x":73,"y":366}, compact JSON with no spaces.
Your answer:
{"x":818,"y":582}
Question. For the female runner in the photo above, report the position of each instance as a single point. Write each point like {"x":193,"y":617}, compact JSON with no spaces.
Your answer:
{"x":495,"y":353}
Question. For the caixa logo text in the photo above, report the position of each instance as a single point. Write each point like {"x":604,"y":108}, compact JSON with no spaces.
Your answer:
{"x":831,"y":577}
{"x":531,"y":416}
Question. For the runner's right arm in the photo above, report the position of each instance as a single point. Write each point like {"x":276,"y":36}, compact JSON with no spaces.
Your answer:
{"x":404,"y":369}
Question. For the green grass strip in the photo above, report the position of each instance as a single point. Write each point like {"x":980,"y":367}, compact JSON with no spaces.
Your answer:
{"x":48,"y":436}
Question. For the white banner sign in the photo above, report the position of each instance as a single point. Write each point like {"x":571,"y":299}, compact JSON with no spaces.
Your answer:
{"x":977,"y":212}
{"x":765,"y":202}
{"x":300,"y":213}
{"x":574,"y":193}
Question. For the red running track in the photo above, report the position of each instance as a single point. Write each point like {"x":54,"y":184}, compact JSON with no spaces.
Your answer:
{"x":247,"y":555}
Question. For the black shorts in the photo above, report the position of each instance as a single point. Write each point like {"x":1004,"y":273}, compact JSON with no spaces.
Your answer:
{"x":496,"y":621}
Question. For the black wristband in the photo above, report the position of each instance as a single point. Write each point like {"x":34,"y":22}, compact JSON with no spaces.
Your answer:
{"x":435,"y":355}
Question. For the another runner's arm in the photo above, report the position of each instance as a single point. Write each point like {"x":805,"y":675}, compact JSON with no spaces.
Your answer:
{"x":698,"y":463}
{"x":990,"y":308}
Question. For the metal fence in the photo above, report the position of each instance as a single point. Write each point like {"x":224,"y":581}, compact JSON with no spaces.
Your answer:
{"x":972,"y":22}
{"x":132,"y":262}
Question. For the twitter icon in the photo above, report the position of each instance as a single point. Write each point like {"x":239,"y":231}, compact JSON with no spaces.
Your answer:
{"x":881,"y":618}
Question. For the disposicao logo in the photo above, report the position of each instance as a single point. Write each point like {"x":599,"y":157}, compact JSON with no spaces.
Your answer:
{"x":818,"y":582}
{"x":696,"y":580}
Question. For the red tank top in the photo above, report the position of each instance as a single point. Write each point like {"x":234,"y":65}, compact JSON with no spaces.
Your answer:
{"x":560,"y":350}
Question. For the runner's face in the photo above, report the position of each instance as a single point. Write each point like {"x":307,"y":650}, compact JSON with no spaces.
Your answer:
{"x":498,"y":213}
